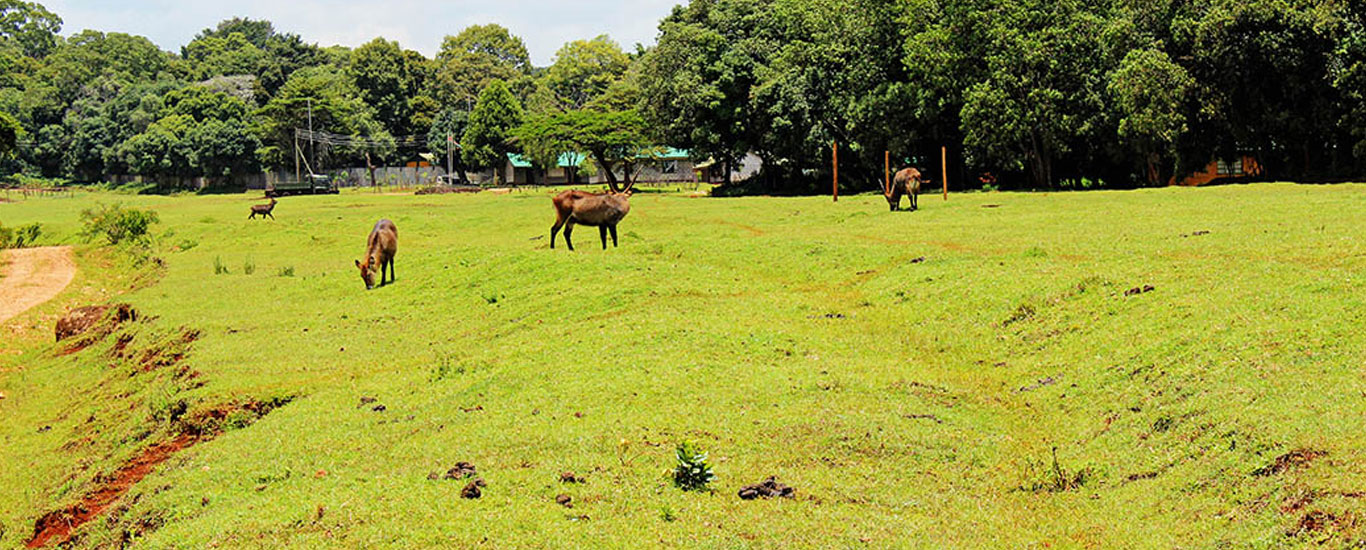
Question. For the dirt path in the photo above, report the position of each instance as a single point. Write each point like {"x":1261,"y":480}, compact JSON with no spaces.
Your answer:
{"x":31,"y":276}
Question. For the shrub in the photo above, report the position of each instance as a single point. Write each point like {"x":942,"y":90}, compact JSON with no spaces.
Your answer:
{"x":117,"y":224}
{"x":692,"y":472}
{"x":19,"y":237}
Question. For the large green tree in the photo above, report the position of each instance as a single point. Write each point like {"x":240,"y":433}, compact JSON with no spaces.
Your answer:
{"x":487,"y":137}
{"x":336,"y":107}
{"x":394,"y":83}
{"x":471,"y":60}
{"x":584,"y":69}
{"x":30,"y":25}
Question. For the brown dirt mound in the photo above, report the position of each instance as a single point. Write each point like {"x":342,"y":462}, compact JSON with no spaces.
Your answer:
{"x":1296,"y":459}
{"x":445,"y":189}
{"x":91,"y":324}
{"x":56,"y":527}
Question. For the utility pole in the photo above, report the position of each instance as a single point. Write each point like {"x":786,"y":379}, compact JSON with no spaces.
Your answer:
{"x":450,"y":159}
{"x":312,"y":139}
{"x":297,"y":176}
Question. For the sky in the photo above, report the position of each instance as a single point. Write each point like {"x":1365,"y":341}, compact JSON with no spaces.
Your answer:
{"x":417,"y":25}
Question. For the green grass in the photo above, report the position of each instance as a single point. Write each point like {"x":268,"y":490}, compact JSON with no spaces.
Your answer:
{"x":908,"y":402}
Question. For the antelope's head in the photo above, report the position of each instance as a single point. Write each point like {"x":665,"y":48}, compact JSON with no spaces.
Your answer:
{"x":367,"y":272}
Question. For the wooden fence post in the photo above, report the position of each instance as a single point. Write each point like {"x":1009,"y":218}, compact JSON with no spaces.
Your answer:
{"x":944,"y":164}
{"x":835,"y":161}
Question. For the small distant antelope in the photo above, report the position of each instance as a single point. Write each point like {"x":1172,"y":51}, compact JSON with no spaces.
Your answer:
{"x":262,"y":210}
{"x":379,"y":253}
{"x":592,"y":209}
{"x":906,"y":182}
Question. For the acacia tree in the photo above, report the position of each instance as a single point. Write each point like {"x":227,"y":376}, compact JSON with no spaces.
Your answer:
{"x":486,"y":140}
{"x":613,"y":139}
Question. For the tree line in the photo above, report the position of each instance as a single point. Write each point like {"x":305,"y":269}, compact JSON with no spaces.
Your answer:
{"x":1037,"y":93}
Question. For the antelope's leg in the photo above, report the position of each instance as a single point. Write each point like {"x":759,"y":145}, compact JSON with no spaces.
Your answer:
{"x":568,"y":230}
{"x":554,"y":230}
{"x":613,"y":228}
{"x":602,"y":233}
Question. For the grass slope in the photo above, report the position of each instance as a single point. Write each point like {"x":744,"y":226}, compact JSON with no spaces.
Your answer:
{"x":911,"y":403}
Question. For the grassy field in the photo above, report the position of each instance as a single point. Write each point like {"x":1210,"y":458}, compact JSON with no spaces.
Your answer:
{"x":969,"y":375}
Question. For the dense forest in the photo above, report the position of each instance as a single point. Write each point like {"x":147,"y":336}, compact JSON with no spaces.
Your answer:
{"x":1040,"y":93}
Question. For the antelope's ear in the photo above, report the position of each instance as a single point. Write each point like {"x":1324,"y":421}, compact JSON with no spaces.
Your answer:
{"x":357,"y":263}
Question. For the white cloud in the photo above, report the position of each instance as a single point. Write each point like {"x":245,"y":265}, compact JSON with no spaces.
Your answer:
{"x":543,"y":25}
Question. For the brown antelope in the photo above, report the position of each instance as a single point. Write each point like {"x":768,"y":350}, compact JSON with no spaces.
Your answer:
{"x":262,"y":210}
{"x":592,"y":209}
{"x":379,"y":253}
{"x":906,"y":182}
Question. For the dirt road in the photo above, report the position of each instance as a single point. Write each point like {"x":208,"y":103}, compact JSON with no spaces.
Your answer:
{"x":31,"y":276}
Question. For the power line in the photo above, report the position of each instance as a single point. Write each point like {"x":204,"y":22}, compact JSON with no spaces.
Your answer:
{"x":363,"y":142}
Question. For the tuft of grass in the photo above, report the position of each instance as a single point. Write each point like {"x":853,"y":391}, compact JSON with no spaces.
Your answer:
{"x":248,"y":267}
{"x":285,"y":271}
{"x":219,"y":268}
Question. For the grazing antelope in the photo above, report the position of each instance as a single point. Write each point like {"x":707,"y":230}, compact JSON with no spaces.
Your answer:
{"x":906,"y":182}
{"x":380,"y":249}
{"x":592,"y":209}
{"x":263,"y":210}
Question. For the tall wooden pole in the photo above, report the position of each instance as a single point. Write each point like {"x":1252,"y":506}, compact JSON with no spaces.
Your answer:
{"x":944,"y":164}
{"x":450,"y":159}
{"x":835,"y":161}
{"x":887,"y":172}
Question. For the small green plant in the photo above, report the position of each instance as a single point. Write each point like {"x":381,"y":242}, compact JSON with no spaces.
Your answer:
{"x":667,"y":514}
{"x":186,"y":244}
{"x":248,"y":267}
{"x":117,"y":224}
{"x":218,"y":267}
{"x":445,"y":365}
{"x":692,"y":472}
{"x":286,"y":271}
{"x":1057,"y":479}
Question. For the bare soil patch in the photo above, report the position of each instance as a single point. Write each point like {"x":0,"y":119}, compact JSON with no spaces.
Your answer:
{"x":32,"y":276}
